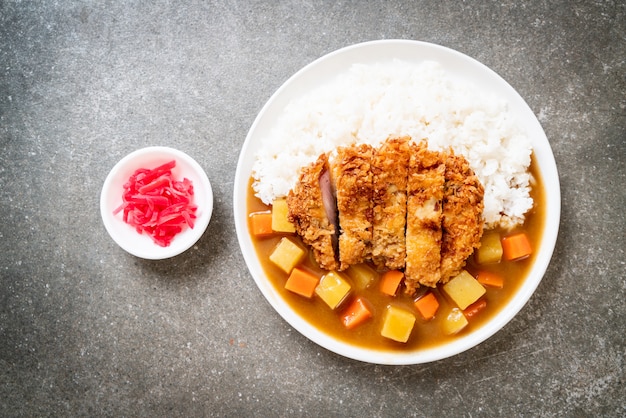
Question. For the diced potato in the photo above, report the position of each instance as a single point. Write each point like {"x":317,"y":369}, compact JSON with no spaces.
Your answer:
{"x":490,"y":250}
{"x":287,"y":255}
{"x":397,"y":324}
{"x":454,"y":322}
{"x":362,"y":275}
{"x":464,"y":289}
{"x":333,"y":289}
{"x":280,"y":220}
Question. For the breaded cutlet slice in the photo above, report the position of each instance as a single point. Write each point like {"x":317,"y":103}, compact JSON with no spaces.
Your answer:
{"x":352,"y":178}
{"x":462,"y":216}
{"x":390,"y":163}
{"x":424,"y":217}
{"x":307,"y":212}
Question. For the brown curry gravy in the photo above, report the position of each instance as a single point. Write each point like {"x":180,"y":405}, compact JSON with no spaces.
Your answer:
{"x":425,"y":334}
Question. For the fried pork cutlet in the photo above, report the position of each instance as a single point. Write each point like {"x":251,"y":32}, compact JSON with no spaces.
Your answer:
{"x":312,"y":213}
{"x":389,"y":177}
{"x":462,"y":216}
{"x":401,"y":206}
{"x":425,"y":191}
{"x":352,"y":177}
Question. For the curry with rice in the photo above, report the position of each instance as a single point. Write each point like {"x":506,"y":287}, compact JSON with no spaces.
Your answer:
{"x":372,"y":303}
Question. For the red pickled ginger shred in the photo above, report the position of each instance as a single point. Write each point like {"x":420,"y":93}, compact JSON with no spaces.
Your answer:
{"x":156,"y":204}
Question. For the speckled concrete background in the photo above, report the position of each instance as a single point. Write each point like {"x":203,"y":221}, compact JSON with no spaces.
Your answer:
{"x":88,"y":330}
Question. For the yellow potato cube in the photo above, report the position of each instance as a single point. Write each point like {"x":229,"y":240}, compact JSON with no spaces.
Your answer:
{"x":397,"y":324}
{"x":333,"y":289}
{"x":454,"y":322}
{"x":362,"y":275}
{"x":490,"y":250}
{"x":280,"y":220}
{"x":287,"y":255}
{"x":464,"y":289}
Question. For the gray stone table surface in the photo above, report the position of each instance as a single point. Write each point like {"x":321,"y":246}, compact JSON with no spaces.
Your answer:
{"x":88,"y":330}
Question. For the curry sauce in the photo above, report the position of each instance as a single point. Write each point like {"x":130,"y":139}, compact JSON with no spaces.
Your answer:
{"x":425,"y":333}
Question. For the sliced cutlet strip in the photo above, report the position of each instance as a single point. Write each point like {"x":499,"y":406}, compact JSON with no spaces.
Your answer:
{"x":424,"y":217}
{"x":352,"y":178}
{"x":308,"y":212}
{"x":462,"y":216}
{"x":390,"y":163}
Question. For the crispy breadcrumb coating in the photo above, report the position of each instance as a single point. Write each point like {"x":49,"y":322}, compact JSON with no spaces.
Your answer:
{"x":390,"y":163}
{"x":462,"y":216}
{"x":399,"y":206}
{"x":352,"y":176}
{"x":424,"y":215}
{"x":307,"y":213}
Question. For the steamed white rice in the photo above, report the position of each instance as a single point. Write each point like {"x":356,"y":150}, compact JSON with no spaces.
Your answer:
{"x":369,"y":103}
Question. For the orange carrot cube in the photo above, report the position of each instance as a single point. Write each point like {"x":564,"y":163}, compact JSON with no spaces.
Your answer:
{"x":475,"y":308}
{"x":427,"y":305}
{"x":488,"y":278}
{"x":516,"y":247}
{"x":390,"y":281}
{"x":356,"y":313}
{"x":302,"y":282}
{"x":261,"y":224}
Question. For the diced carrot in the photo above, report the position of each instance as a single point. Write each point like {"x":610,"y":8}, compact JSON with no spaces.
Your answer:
{"x":390,"y":281}
{"x":489,"y":278}
{"x":261,"y":224}
{"x":427,"y":305}
{"x":516,"y":247}
{"x":356,"y":313}
{"x":302,"y":282}
{"x":475,"y":308}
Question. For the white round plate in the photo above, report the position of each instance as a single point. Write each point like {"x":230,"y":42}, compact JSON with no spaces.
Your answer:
{"x":141,"y":245}
{"x":455,"y":63}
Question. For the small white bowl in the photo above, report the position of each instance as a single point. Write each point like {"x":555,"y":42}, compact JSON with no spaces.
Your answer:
{"x":141,"y":245}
